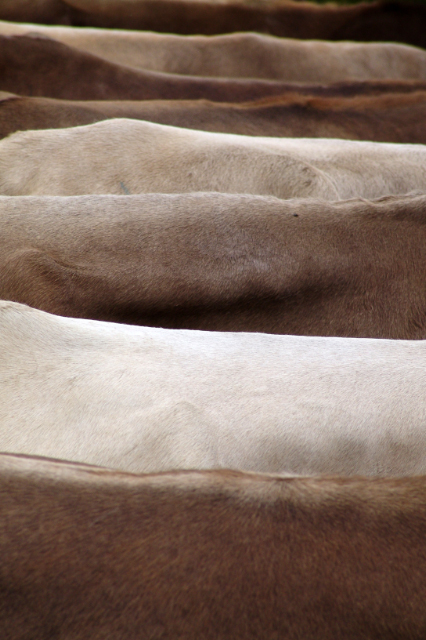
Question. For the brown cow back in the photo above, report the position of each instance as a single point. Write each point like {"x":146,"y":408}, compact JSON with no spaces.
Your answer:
{"x":91,"y":553}
{"x":221,"y":262}
{"x":40,"y":66}
{"x":375,"y":21}
{"x":383,"y":118}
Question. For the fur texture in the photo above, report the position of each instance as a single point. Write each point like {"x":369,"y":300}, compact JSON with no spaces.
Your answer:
{"x":86,"y":554}
{"x":129,"y":156}
{"x":221,"y":262}
{"x":241,"y":55}
{"x":387,"y":117}
{"x":144,"y":399}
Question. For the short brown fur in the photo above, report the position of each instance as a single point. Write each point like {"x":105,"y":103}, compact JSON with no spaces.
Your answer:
{"x":373,"y":21}
{"x":40,"y":66}
{"x":393,"y":117}
{"x":90,"y":554}
{"x":218,"y":262}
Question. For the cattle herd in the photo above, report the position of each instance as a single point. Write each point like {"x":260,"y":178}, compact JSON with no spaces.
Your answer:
{"x":212,"y":320}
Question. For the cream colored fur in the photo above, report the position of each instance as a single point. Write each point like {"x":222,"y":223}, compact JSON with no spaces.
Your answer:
{"x":144,"y":399}
{"x":130,"y":156}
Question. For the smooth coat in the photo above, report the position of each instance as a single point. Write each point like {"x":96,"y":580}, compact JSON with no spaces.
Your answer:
{"x":368,"y":22}
{"x":48,"y":11}
{"x":123,"y":156}
{"x":94,"y":553}
{"x":390,"y":117}
{"x":221,"y":262}
{"x":241,"y":55}
{"x":39,"y":66}
{"x":144,"y":399}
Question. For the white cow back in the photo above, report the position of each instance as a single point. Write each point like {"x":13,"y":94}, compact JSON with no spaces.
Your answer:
{"x":144,"y":399}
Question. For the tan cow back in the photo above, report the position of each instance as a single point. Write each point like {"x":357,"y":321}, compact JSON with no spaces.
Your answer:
{"x":129,"y":156}
{"x":241,"y":54}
